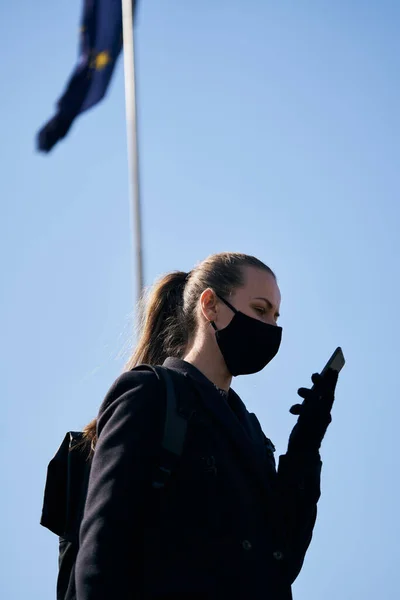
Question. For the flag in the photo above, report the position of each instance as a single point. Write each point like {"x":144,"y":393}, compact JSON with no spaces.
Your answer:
{"x":99,"y":48}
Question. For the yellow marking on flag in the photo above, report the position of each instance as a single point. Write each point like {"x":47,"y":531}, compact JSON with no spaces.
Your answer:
{"x":101,"y":60}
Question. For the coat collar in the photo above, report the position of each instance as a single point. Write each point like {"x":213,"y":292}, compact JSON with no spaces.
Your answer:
{"x":242,"y":428}
{"x":177,"y":364}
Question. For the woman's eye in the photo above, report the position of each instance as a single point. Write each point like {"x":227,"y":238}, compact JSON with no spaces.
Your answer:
{"x":260,"y":311}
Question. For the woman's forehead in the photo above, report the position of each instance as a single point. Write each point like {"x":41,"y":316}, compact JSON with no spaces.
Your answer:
{"x":261,"y":284}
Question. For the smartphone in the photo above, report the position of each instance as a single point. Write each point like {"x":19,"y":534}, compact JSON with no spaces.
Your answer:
{"x":336,"y":362}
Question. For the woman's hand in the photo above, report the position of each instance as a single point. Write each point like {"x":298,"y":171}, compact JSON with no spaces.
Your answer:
{"x":314,"y":412}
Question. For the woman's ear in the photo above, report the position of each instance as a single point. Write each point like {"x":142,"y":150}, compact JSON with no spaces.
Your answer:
{"x":208,"y":305}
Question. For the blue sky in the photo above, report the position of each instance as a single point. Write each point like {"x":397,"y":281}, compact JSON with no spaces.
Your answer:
{"x":267,"y":128}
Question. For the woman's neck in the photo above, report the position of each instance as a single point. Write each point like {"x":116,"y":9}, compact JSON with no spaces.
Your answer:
{"x":212,"y":366}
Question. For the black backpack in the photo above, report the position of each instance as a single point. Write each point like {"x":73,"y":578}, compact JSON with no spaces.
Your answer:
{"x":68,"y":476}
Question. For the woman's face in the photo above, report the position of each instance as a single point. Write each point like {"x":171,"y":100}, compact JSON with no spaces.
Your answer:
{"x":259,"y":298}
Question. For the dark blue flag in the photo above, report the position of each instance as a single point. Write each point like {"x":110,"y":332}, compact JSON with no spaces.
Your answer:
{"x":100,"y":46}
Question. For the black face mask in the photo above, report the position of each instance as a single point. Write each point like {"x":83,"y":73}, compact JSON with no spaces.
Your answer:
{"x":247,"y":344}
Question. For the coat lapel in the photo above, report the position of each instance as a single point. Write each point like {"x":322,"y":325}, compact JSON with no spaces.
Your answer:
{"x":235,"y":421}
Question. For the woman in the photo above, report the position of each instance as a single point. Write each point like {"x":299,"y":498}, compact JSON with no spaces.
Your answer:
{"x":227,"y":524}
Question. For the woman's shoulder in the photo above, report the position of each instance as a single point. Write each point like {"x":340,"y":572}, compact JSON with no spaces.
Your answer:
{"x":140,"y":377}
{"x":131,"y":389}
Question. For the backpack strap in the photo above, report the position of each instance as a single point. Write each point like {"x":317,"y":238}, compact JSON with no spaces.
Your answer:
{"x":175,"y":425}
{"x":175,"y":430}
{"x":176,"y":416}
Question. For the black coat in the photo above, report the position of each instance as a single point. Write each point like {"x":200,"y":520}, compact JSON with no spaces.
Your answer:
{"x":228,"y":525}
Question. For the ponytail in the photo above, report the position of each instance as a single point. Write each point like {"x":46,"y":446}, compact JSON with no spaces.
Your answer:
{"x":162,"y":332}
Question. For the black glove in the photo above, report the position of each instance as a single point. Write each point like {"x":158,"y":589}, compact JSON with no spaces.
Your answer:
{"x":314,"y":413}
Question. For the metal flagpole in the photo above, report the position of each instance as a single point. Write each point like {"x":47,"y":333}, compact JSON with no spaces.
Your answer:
{"x":132,"y":139}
